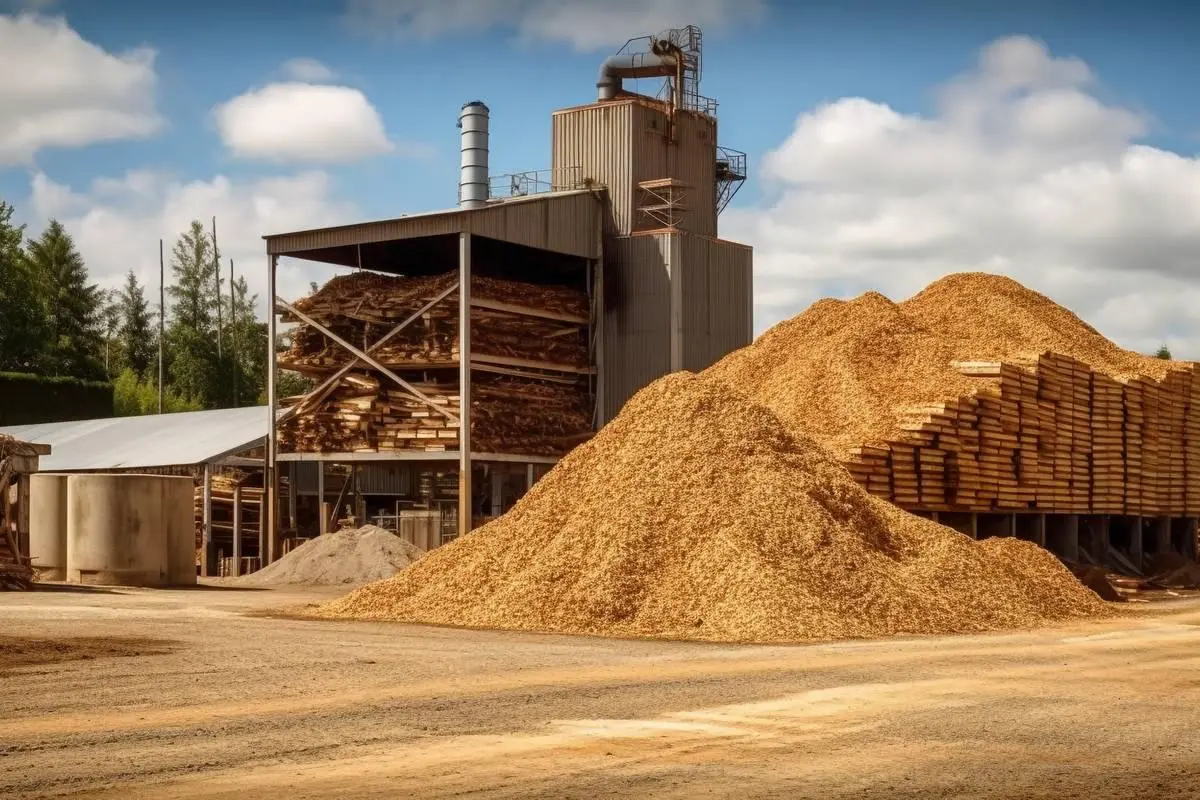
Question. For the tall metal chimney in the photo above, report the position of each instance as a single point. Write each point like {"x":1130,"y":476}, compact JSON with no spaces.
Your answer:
{"x":473,"y":174}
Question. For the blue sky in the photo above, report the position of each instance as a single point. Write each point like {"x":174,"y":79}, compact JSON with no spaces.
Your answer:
{"x":765,"y":67}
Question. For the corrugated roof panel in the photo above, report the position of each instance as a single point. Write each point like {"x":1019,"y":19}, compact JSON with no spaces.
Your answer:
{"x":155,"y":440}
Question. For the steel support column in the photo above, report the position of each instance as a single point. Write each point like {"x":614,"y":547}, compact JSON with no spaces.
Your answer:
{"x":464,"y":384}
{"x":206,"y":532}
{"x":270,"y":505}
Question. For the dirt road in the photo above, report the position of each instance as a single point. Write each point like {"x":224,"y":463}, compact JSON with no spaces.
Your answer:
{"x":183,"y":694}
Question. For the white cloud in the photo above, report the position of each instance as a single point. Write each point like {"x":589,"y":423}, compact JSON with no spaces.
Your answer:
{"x":117,"y":222}
{"x":62,"y":91}
{"x":304,"y":123}
{"x":1022,"y":169}
{"x":585,"y":24}
{"x":308,"y":70}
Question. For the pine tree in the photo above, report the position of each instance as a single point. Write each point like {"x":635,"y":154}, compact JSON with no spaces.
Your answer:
{"x":22,"y":323}
{"x":194,"y":367}
{"x":71,"y":305}
{"x":137,"y":338}
{"x":1164,"y":353}
{"x":111,"y":321}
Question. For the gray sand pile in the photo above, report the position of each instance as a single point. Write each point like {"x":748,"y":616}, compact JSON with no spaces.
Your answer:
{"x":366,"y":554}
{"x":695,"y":514}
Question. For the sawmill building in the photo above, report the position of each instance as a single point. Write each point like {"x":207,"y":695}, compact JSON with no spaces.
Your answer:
{"x":468,"y":350}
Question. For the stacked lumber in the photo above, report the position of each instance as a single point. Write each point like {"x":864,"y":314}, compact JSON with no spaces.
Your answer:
{"x":367,"y":414}
{"x":529,"y":352}
{"x":221,"y":493}
{"x":1051,"y":435}
{"x":16,"y":457}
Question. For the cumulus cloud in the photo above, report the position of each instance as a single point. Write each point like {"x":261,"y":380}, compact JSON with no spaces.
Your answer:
{"x":63,"y":91}
{"x":302,"y":122}
{"x":585,"y":24}
{"x":308,"y":70}
{"x":117,"y":222}
{"x":1021,"y":169}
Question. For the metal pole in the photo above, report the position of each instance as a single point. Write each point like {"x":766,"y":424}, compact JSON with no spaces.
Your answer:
{"x":464,"y":384}
{"x":207,"y":533}
{"x":217,"y":277}
{"x":233,"y":333}
{"x":162,"y":302}
{"x":237,"y":529}
{"x":270,"y":490}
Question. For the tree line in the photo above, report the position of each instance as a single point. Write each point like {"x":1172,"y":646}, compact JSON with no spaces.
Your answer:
{"x":55,"y":322}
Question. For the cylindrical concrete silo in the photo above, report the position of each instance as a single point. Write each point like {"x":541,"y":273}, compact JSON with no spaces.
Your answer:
{"x":48,"y":525}
{"x":178,"y":515}
{"x":116,"y":530}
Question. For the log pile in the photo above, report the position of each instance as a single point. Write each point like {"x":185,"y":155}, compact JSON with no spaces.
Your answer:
{"x":1051,"y":435}
{"x":16,"y":457}
{"x":529,"y":356}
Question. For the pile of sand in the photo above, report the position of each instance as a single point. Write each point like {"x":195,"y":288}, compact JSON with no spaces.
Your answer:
{"x":357,"y":556}
{"x":843,"y":370}
{"x":695,"y":514}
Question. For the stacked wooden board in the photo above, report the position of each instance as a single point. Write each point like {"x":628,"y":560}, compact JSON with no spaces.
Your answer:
{"x":1051,"y":435}
{"x":18,"y":459}
{"x":222,"y":494}
{"x":530,"y":390}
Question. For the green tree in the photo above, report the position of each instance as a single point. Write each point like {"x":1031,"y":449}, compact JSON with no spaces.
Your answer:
{"x":22,"y":322}
{"x":110,"y":316}
{"x":71,"y":305}
{"x":134,"y":396}
{"x":137,"y":337}
{"x":1164,"y":353}
{"x":191,"y":338}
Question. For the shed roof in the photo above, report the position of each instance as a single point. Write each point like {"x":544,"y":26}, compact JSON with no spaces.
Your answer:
{"x":155,"y":440}
{"x":566,"y":222}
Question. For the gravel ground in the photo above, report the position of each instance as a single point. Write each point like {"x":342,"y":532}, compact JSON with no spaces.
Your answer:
{"x":202,"y":694}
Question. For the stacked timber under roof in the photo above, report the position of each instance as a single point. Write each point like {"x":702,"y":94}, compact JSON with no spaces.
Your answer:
{"x":529,"y":362}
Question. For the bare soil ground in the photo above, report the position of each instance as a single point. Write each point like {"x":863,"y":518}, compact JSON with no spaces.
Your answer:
{"x":198,"y":693}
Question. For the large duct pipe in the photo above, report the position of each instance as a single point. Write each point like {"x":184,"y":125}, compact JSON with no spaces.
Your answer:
{"x":473,"y":174}
{"x":635,"y":65}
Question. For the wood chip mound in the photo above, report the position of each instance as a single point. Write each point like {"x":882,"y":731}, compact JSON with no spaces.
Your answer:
{"x":845,"y":370}
{"x":365,"y":554}
{"x":696,"y":515}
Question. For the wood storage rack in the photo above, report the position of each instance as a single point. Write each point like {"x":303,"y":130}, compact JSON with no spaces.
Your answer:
{"x":384,"y":355}
{"x":18,"y":460}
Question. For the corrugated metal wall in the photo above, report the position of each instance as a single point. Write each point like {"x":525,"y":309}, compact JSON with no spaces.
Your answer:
{"x":373,"y":478}
{"x":717,"y":299}
{"x":637,"y":317}
{"x":672,"y":301}
{"x":623,"y":143}
{"x":597,"y":140}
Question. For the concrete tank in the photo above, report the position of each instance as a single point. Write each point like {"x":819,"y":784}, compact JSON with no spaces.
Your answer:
{"x":120,"y":528}
{"x":48,"y":525}
{"x":179,"y":510}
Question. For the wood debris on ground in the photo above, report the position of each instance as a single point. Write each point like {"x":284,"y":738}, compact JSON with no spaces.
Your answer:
{"x":979,"y":394}
{"x":529,"y":356}
{"x":695,"y":514}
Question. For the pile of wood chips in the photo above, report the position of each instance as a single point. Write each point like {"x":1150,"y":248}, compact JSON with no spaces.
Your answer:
{"x":695,"y":514}
{"x":979,"y":394}
{"x":529,"y":348}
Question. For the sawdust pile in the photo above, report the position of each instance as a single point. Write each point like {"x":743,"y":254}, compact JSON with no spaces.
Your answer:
{"x":842,"y":370}
{"x":356,"y":556}
{"x":696,"y":515}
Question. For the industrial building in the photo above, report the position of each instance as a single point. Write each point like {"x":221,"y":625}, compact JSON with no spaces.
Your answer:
{"x":625,"y":218}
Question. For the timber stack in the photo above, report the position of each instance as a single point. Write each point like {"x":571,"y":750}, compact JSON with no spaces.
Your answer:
{"x":1052,"y":435}
{"x":529,"y":362}
{"x":18,"y":460}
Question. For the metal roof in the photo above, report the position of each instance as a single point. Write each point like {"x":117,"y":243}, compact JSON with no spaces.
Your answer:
{"x":565,"y":222}
{"x":155,"y":440}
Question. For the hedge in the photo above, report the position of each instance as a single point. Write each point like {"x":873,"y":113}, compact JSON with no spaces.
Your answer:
{"x":27,"y":399}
